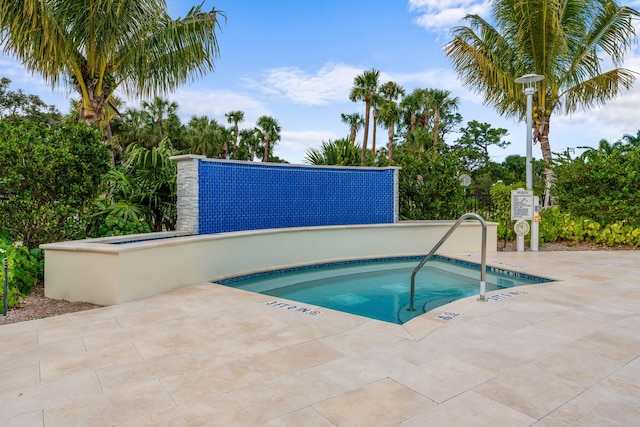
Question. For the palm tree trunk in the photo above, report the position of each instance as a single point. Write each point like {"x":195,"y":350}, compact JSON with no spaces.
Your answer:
{"x":225,"y":149}
{"x":235,"y":136}
{"x":354,"y":132}
{"x":541,"y":133}
{"x":367,"y":108}
{"x":265,"y":158}
{"x":390,"y":147}
{"x":436,"y":124}
{"x":375,"y":131}
{"x":424,"y":118}
{"x":109,"y":139}
{"x":412,"y":122}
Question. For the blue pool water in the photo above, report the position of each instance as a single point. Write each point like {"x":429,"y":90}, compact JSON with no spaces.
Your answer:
{"x":379,"y":289}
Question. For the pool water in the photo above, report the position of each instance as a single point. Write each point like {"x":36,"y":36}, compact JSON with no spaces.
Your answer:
{"x":379,"y":289}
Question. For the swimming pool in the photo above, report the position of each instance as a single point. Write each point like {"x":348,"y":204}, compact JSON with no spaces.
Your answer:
{"x":379,"y":288}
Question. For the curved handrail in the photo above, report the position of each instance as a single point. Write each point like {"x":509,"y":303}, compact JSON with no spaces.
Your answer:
{"x":483,"y":271}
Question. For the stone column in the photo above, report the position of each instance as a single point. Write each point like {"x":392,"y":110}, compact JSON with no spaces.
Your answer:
{"x":396,"y":193}
{"x":188,"y":192}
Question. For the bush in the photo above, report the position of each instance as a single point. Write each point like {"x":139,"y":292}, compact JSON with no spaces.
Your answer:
{"x":501,"y":199}
{"x":49,"y":178}
{"x":429,"y":187}
{"x":25,"y":270}
{"x":556,"y":225}
{"x":116,"y":219}
{"x":601,"y":186}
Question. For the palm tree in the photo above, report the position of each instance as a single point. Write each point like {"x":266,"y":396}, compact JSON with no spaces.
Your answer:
{"x":390,"y":115}
{"x":365,"y":85}
{"x":340,"y":152}
{"x":376,"y":101}
{"x":268,"y":131}
{"x":99,"y":46}
{"x":391,"y":91}
{"x":425,"y":97}
{"x":355,"y":122}
{"x":441,"y":102}
{"x":389,"y":111}
{"x":632,"y":140}
{"x":205,"y":136}
{"x":131,"y":129}
{"x":160,"y":113}
{"x":605,"y":149}
{"x":411,"y":106}
{"x":144,"y":189}
{"x":247,"y":146}
{"x":566,"y":41}
{"x":235,"y":117}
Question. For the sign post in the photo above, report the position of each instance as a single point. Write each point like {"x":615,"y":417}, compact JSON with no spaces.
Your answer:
{"x":521,"y":210}
{"x":535,"y":224}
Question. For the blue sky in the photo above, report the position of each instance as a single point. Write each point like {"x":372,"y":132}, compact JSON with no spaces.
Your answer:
{"x":295,"y":60}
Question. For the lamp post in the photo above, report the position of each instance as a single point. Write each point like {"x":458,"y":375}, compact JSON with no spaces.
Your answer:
{"x":529,"y":82}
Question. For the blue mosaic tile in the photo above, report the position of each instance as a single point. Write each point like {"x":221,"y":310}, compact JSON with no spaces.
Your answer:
{"x":251,"y":196}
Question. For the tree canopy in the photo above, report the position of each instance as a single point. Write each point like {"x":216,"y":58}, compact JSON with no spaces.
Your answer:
{"x":98,"y":46}
{"x":569,"y":42}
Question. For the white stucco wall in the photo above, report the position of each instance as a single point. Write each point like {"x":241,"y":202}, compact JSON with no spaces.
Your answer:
{"x":106,"y":274}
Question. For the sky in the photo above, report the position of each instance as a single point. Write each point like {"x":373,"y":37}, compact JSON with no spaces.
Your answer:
{"x":295,"y":60}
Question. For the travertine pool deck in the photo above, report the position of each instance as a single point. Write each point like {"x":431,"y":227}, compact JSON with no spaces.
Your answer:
{"x":563,"y":353}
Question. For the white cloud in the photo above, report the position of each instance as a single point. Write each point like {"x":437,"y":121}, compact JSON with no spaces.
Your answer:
{"x":441,"y":15}
{"x":330,"y":83}
{"x":294,"y":145}
{"x":34,"y":84}
{"x":611,"y":121}
{"x":216,"y":103}
{"x":305,"y":139}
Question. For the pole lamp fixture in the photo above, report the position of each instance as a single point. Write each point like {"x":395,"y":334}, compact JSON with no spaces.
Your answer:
{"x":529,"y":82}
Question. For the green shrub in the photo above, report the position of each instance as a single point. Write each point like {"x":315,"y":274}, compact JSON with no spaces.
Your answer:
{"x":429,"y":188}
{"x":602,"y":186}
{"x":50,"y":177}
{"x":116,"y":220}
{"x":556,"y":225}
{"x":24,"y":270}
{"x":501,"y":199}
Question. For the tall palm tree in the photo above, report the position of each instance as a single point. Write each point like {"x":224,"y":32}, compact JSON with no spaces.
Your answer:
{"x":247,"y":146}
{"x":235,"y":117}
{"x":390,"y":115}
{"x":99,"y":46}
{"x":566,"y":41}
{"x":390,"y":92}
{"x":365,"y":85}
{"x":355,"y":122}
{"x":205,"y":136}
{"x":376,"y":101}
{"x":268,"y":131}
{"x":425,"y":97}
{"x":411,"y":106}
{"x":441,"y":102}
{"x":160,"y":112}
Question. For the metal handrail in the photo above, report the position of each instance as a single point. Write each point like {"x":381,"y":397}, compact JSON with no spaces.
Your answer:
{"x":483,"y":271}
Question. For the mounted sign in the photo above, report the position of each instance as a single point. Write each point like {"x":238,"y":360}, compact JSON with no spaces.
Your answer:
{"x":521,"y":204}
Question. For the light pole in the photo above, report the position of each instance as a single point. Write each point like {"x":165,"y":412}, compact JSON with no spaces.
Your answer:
{"x":529,"y":82}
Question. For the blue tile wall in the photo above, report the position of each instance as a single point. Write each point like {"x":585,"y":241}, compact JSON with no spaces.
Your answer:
{"x":251,"y":196}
